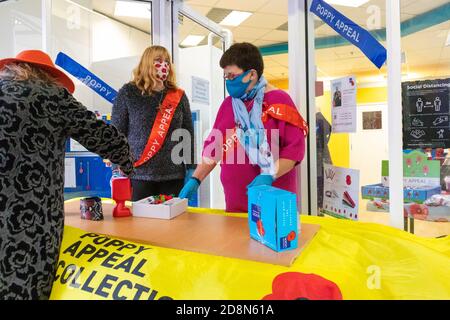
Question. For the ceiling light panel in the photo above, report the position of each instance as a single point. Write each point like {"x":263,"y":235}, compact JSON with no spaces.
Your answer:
{"x":235,"y":18}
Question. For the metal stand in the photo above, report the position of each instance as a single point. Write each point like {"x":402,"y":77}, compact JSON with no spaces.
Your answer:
{"x":409,"y":225}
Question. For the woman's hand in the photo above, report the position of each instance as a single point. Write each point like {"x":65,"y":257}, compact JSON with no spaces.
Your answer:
{"x":189,"y":189}
{"x":127,"y":169}
{"x":261,"y":180}
{"x":283,"y":166}
{"x":193,"y":183}
{"x":116,"y":173}
{"x":120,"y":173}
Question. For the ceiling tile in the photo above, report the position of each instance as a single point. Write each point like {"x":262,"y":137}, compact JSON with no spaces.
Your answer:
{"x":276,"y":35}
{"x":279,"y":60}
{"x":263,"y":20}
{"x":218,"y":14}
{"x":405,"y":3}
{"x":201,"y":9}
{"x":262,"y":42}
{"x":269,"y":62}
{"x":325,"y":31}
{"x":250,"y":33}
{"x":419,"y":7}
{"x":206,"y":3}
{"x":275,"y":7}
{"x":241,"y":5}
{"x":283,"y":27}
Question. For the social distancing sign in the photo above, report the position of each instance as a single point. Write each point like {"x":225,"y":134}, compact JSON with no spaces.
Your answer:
{"x":357,"y":260}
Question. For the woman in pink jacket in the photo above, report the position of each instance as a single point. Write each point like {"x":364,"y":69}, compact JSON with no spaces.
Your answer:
{"x":258,"y":135}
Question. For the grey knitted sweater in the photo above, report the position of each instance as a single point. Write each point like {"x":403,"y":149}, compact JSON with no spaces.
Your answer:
{"x":134,"y":114}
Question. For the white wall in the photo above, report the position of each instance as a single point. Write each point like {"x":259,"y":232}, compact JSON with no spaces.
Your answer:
{"x":20,"y":25}
{"x":369,"y":147}
{"x":113,"y":40}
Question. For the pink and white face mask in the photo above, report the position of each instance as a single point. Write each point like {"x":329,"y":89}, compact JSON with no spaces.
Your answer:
{"x":162,"y":69}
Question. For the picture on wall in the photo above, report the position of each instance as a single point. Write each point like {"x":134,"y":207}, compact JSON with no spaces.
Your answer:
{"x":372,"y":120}
{"x":337,"y":95}
{"x":341,"y":192}
{"x":343,"y":102}
{"x":426,"y":114}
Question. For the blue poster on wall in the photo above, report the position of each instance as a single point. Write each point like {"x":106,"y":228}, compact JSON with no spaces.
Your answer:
{"x":349,"y":30}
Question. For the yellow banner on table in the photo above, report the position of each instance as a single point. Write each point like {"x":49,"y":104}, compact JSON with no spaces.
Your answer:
{"x":366,"y":261}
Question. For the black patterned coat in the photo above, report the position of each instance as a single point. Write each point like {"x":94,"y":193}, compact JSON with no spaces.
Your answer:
{"x":36,"y":118}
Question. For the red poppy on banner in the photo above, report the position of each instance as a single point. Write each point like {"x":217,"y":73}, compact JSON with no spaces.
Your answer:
{"x":301,"y":286}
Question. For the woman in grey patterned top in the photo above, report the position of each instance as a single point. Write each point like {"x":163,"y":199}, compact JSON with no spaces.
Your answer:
{"x":37,"y":115}
{"x":134,"y":113}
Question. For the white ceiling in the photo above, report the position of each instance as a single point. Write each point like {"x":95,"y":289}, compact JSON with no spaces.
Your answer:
{"x":268,"y":15}
{"x":426,"y":52}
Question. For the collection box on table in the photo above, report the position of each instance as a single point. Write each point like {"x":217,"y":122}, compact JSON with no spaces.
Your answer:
{"x":167,"y":210}
{"x":273,"y":218}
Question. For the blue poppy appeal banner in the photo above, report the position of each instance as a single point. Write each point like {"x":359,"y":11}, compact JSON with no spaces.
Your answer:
{"x":85,"y":76}
{"x":350,"y":31}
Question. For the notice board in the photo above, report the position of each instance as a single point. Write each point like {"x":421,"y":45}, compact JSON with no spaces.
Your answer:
{"x":426,"y":114}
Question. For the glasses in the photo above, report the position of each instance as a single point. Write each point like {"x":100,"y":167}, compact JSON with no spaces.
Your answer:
{"x":231,"y":76}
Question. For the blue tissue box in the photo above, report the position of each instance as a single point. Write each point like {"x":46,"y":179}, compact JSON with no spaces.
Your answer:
{"x":272,"y":217}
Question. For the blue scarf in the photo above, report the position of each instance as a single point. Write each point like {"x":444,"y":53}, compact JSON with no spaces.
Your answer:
{"x":250,"y":129}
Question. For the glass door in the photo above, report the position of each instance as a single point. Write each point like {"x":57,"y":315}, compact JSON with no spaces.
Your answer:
{"x":367,"y":148}
{"x":425,"y":79}
{"x":362,"y":149}
{"x":82,"y":30}
{"x":198,"y":46}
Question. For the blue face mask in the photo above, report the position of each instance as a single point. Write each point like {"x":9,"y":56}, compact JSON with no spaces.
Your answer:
{"x":236,"y":88}
{"x":251,"y":94}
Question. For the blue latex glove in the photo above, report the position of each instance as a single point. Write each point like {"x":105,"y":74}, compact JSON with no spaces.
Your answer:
{"x":261,"y":180}
{"x":189,"y":189}
{"x":188,"y":175}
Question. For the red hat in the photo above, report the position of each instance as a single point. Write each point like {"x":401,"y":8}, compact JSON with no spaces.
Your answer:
{"x":43,"y":61}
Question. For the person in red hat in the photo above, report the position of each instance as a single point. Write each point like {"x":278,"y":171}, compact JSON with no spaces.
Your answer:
{"x":37,"y":115}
